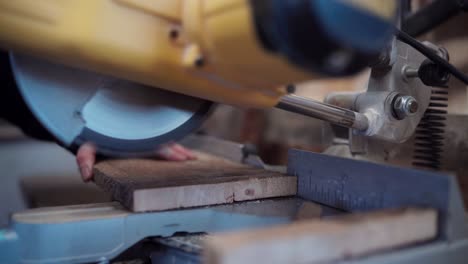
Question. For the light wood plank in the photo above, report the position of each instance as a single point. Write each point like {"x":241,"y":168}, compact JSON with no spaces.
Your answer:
{"x":152,"y":185}
{"x":323,"y":241}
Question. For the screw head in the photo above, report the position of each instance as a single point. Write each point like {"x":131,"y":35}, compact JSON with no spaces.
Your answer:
{"x":174,"y":33}
{"x":412,"y":106}
{"x":405,"y":105}
{"x":199,"y":62}
{"x":291,"y":88}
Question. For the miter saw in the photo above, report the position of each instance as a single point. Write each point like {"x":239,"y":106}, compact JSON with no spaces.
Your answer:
{"x":94,"y":70}
{"x":129,"y":75}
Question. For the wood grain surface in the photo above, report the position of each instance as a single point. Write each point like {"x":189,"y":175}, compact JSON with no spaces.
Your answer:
{"x":149,"y":185}
{"x":323,"y":241}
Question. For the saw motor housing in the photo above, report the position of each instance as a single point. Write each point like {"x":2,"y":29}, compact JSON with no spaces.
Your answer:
{"x":237,"y":52}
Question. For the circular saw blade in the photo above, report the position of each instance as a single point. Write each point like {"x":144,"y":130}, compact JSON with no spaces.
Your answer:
{"x":120,"y":117}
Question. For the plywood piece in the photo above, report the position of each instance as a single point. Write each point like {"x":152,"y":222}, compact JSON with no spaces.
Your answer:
{"x":323,"y":241}
{"x":152,"y":185}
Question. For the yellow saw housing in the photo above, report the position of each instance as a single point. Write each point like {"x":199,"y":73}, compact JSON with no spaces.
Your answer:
{"x":203,"y":48}
{"x":206,"y":49}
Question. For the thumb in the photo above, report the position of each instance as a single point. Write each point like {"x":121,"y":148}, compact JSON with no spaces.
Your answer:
{"x":85,"y":159}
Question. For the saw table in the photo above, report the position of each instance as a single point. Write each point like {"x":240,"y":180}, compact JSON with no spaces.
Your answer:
{"x":328,"y":187}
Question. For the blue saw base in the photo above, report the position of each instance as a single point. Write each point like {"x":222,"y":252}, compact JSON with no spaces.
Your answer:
{"x":100,"y":232}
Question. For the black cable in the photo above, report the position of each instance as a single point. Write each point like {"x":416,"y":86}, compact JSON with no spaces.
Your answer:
{"x":405,"y":9}
{"x":430,"y":16}
{"x":431,"y":55}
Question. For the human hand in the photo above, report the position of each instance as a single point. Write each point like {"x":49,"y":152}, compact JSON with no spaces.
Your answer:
{"x":86,"y":157}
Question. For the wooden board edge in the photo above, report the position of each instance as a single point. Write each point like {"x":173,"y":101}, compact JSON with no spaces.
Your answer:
{"x":116,"y":189}
{"x":166,"y":198}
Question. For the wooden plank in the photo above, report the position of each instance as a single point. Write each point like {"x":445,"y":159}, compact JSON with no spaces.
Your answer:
{"x":323,"y":241}
{"x":151,"y":185}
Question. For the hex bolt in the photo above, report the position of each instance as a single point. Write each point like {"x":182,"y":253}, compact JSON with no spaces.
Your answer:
{"x":404,"y":105}
{"x":412,"y":106}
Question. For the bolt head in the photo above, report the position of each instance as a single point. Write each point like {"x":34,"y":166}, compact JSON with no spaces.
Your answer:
{"x":404,"y":106}
{"x":412,"y":106}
